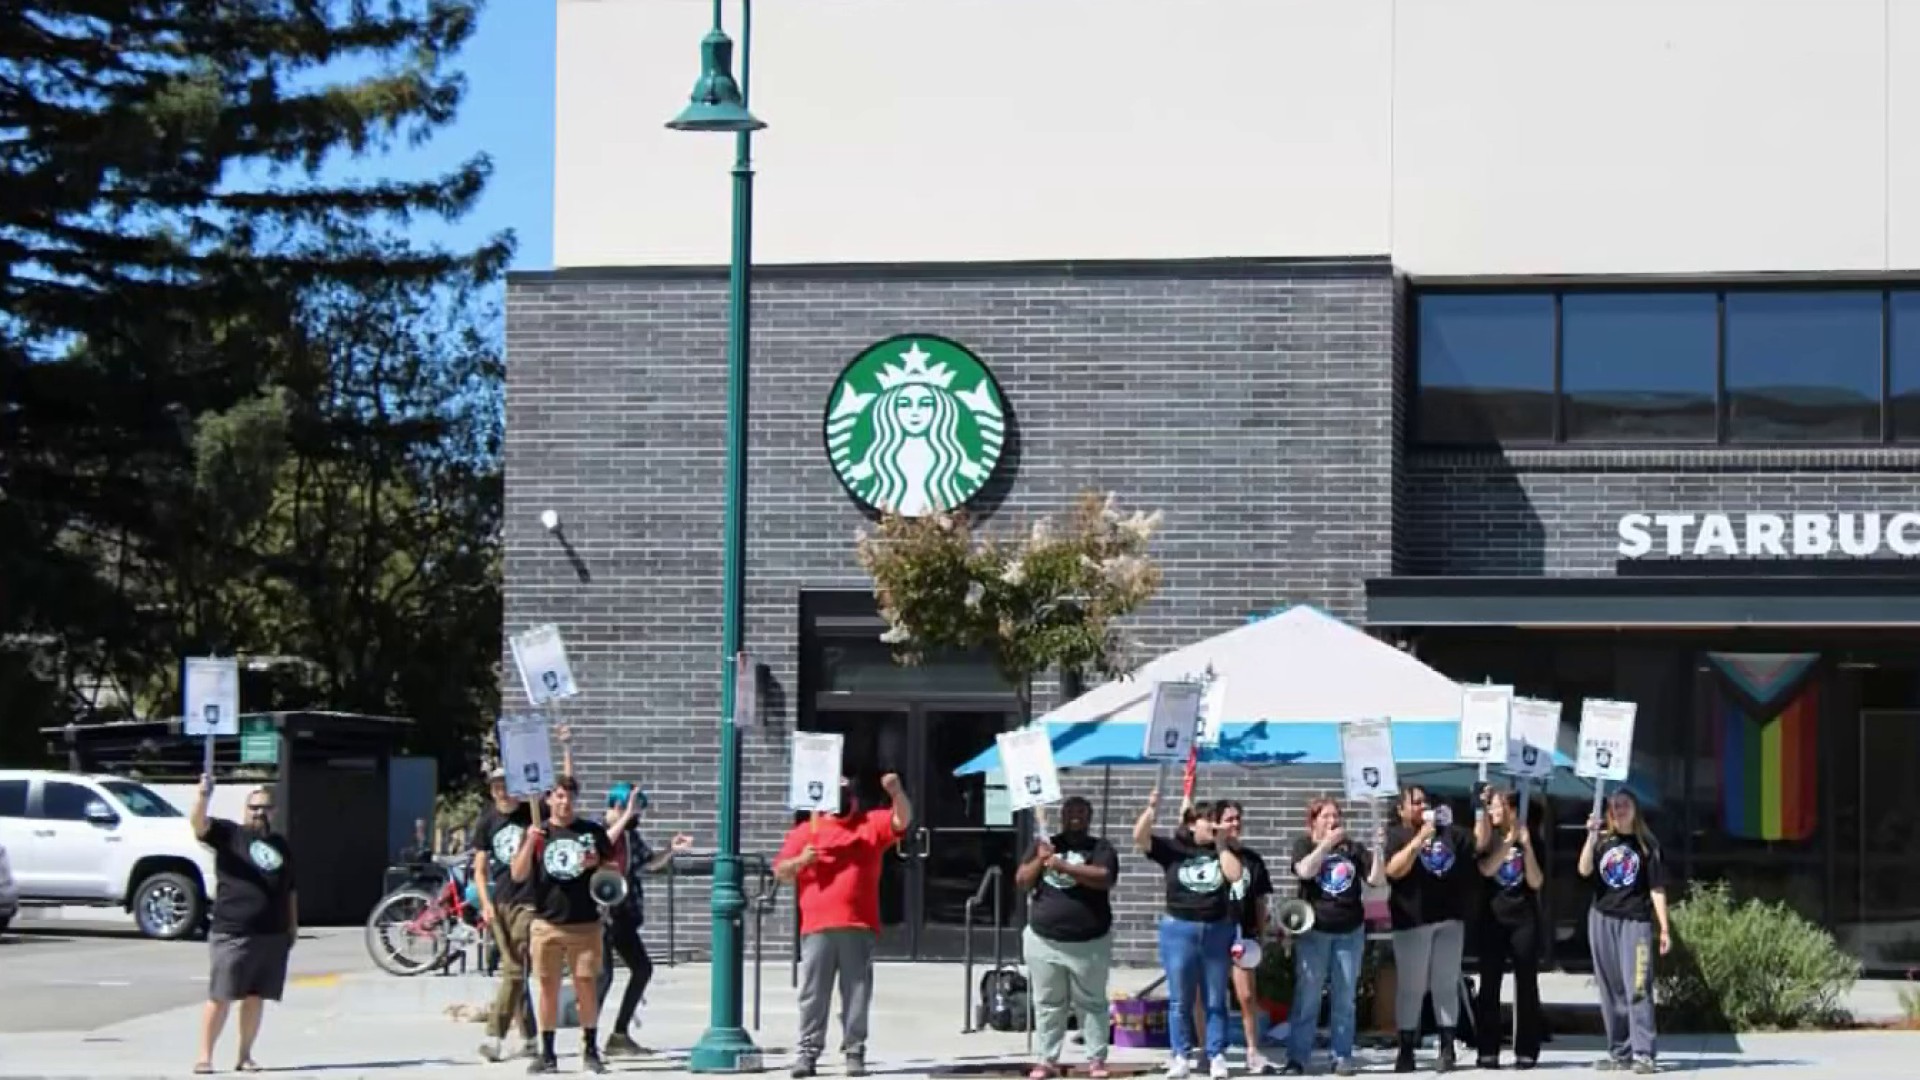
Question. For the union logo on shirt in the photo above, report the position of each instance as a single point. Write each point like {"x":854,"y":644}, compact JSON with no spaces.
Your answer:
{"x":265,"y":856}
{"x":1337,"y":875}
{"x":1201,"y":874}
{"x":1437,"y":857}
{"x":565,"y":859}
{"x":506,"y":842}
{"x":1620,"y":867}
{"x":1059,"y":880}
{"x":1512,"y":869}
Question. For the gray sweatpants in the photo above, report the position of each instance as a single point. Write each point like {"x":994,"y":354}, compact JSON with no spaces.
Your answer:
{"x":1426,"y":960}
{"x":848,"y":956}
{"x":1623,"y":968}
{"x":1068,"y":977}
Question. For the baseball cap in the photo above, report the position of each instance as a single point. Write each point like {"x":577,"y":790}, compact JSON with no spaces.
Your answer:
{"x":497,"y":773}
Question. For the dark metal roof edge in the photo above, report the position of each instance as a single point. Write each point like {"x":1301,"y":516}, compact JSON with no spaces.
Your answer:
{"x":1863,"y":279}
{"x":1225,"y":267}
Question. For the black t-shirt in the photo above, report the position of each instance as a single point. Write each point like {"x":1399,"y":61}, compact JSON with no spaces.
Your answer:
{"x":639,"y":854}
{"x":1196,"y":885}
{"x":1625,"y":873}
{"x":1335,"y":892}
{"x":1249,"y":894}
{"x":499,"y":836}
{"x":1435,"y":890}
{"x":253,"y":875}
{"x":1061,"y":909}
{"x":1510,"y":900}
{"x":562,"y":880}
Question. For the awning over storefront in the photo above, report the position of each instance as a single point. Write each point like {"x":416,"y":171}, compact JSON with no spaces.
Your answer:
{"x":1672,"y":600}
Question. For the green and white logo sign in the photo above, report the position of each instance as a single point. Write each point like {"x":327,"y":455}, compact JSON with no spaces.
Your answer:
{"x":915,"y":425}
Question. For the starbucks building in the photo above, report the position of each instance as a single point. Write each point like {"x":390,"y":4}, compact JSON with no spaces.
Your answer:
{"x":1606,"y":389}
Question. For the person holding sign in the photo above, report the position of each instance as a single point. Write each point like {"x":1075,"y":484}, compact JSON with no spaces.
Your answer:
{"x":1430,"y":870}
{"x":558,"y":859}
{"x":833,"y":862}
{"x":1068,"y":942}
{"x":1330,"y":868}
{"x":1197,"y":931}
{"x":497,"y":836}
{"x":256,"y":918}
{"x":1629,"y":909}
{"x":1508,"y":928}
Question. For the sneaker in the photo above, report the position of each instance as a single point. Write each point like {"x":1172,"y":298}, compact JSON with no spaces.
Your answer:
{"x":802,"y":1068}
{"x":1217,"y":1068}
{"x":492,"y":1051}
{"x":529,"y":1048}
{"x":1488,"y":1061}
{"x":1258,"y":1065}
{"x":1403,"y":1061}
{"x":541,"y":1065}
{"x":1524,"y":1063}
{"x":590,"y":1061}
{"x":856,"y":1064}
{"x":1177,"y":1067}
{"x":1293,"y":1068}
{"x":1344,"y":1067}
{"x":620,"y":1044}
{"x":1645,"y":1067}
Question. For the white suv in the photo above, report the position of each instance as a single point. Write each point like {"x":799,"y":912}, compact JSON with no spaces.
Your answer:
{"x":102,"y":840}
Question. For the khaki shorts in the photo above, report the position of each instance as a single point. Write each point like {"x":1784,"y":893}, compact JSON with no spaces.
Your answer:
{"x":559,"y":948}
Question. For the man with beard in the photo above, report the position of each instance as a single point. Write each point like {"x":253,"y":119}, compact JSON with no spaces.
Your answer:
{"x":496,"y":839}
{"x":255,"y":919}
{"x":1249,"y":903}
{"x":1068,"y":942}
{"x":834,"y":863}
{"x":557,"y":860}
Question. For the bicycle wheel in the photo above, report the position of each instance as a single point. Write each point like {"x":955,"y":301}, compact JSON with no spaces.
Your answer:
{"x":407,"y":933}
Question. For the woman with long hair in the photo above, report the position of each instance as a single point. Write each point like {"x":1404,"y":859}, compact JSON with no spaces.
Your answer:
{"x":1197,"y":931}
{"x":1330,"y":868}
{"x":1430,"y":867}
{"x":1627,"y":919}
{"x":1507,"y":926}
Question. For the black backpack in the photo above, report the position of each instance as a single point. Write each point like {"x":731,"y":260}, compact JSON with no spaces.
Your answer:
{"x":1003,"y":999}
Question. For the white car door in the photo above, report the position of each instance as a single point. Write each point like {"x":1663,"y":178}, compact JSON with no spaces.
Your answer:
{"x":77,"y":845}
{"x":16,"y":833}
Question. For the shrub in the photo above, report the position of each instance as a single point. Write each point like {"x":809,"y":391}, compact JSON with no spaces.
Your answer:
{"x":1750,"y":966}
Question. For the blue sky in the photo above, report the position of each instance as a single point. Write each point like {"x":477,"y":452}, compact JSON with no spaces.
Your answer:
{"x":508,"y":113}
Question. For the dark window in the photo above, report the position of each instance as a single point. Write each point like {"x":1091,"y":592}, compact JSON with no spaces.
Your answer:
{"x":65,"y":802}
{"x":140,"y":799}
{"x":1904,"y":343}
{"x":1803,"y":367}
{"x":1639,"y":367}
{"x":1485,"y":368}
{"x":13,"y":798}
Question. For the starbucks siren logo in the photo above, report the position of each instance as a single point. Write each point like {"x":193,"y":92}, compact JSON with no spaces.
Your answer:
{"x":915,"y":426}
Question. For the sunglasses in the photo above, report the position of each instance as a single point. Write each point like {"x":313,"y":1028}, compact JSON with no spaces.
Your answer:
{"x":259,"y":808}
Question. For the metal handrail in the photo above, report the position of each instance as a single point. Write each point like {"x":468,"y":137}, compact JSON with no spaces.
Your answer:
{"x":762,"y":902}
{"x":705,"y":861}
{"x":990,"y":880}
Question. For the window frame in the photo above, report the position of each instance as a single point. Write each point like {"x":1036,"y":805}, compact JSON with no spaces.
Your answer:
{"x":1558,"y":290}
{"x":47,"y":787}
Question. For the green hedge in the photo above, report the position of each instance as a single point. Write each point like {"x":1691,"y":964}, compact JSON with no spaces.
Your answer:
{"x":1750,"y":966}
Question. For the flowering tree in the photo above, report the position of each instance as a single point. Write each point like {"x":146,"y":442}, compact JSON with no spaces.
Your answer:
{"x":1050,"y":598}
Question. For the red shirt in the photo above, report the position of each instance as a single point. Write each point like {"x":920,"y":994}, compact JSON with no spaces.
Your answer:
{"x":841,"y":890}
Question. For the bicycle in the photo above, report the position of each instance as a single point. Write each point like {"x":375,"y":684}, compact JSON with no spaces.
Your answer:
{"x":426,"y":923}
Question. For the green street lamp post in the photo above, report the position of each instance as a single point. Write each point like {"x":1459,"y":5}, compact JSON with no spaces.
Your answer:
{"x":720,"y":104}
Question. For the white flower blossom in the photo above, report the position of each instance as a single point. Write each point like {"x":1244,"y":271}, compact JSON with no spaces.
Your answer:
{"x":896,"y":634}
{"x":1142,"y":526}
{"x":1042,"y":532}
{"x":975,"y":592}
{"x":1014,"y":574}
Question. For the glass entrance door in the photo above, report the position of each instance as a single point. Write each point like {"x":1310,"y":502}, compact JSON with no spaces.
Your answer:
{"x":960,"y":825}
{"x":1888,"y":936}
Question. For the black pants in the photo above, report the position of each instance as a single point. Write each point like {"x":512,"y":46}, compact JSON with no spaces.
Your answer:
{"x":1516,"y":947}
{"x":623,"y":937}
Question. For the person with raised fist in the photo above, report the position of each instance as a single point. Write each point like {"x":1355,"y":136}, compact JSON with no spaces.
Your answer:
{"x":256,"y":916}
{"x":834,"y":864}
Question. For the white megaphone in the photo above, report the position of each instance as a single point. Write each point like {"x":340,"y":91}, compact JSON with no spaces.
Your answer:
{"x":608,"y":887}
{"x":1294,"y":915}
{"x":1246,"y":954}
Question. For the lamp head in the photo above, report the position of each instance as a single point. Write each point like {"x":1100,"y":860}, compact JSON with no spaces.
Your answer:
{"x":717,"y":104}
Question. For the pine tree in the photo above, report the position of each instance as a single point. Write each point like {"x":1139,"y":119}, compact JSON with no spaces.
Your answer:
{"x":165,"y":215}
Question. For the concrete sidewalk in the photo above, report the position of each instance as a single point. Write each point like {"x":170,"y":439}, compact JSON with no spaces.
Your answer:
{"x":363,"y":1024}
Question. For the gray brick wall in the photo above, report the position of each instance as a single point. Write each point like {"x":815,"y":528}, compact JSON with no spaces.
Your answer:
{"x":1253,"y":403}
{"x":1555,"y":514}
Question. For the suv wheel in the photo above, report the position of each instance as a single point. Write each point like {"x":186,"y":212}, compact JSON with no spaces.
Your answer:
{"x":168,"y":906}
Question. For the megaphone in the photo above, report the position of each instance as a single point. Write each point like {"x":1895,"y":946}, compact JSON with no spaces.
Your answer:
{"x":1246,"y":954}
{"x":1294,"y":915}
{"x":608,"y":886}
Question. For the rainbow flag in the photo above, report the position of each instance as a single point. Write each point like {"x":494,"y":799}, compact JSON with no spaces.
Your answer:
{"x":1767,"y":724}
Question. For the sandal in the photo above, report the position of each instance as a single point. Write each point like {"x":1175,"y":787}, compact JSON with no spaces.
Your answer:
{"x":1042,"y":1072}
{"x":246,"y":1065}
{"x":1097,"y":1070}
{"x":203,"y":1068}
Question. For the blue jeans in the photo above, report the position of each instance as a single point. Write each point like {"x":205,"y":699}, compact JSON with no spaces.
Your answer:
{"x":1196,"y":954}
{"x":1315,"y":954}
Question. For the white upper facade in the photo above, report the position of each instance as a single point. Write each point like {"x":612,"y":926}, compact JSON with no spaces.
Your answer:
{"x":1456,"y":136}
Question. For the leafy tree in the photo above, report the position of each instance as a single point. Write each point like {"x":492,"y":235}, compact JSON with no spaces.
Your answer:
{"x":176,"y":268}
{"x":1050,"y":598}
